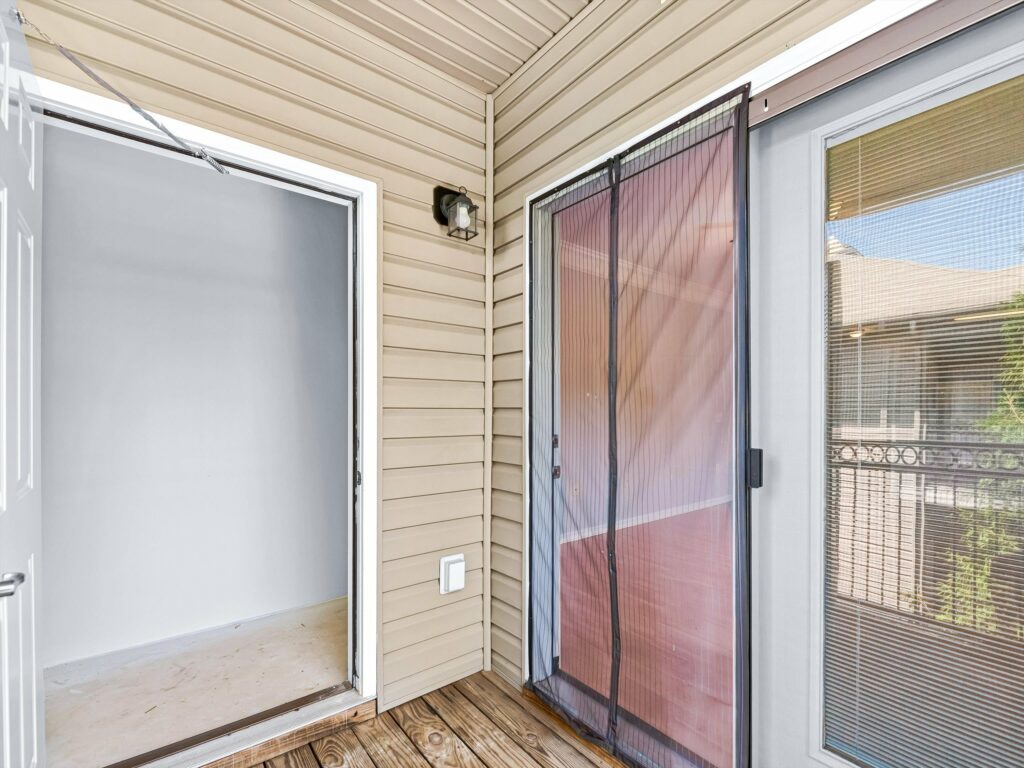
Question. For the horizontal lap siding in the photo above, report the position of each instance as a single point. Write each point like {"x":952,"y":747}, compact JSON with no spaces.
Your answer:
{"x":621,"y":68}
{"x":288,"y":76}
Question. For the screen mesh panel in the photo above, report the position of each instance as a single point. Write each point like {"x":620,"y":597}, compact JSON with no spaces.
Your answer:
{"x":924,"y":507}
{"x":635,"y":412}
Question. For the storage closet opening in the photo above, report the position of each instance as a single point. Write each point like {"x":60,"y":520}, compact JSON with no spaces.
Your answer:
{"x":198,"y":446}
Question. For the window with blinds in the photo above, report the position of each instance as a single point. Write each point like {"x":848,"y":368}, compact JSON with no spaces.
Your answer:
{"x":924,"y":507}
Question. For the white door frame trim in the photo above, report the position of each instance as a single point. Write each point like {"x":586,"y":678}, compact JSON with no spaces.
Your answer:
{"x":107,"y":113}
{"x":940,"y":90}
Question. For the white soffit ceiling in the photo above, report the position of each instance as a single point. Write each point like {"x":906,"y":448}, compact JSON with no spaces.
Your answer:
{"x":478,"y":42}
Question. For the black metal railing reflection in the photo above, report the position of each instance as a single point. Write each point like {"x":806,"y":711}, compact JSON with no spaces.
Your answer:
{"x":930,"y":528}
{"x":973,"y":459}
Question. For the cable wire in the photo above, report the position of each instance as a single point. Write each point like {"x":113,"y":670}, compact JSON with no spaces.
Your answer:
{"x":197,"y":152}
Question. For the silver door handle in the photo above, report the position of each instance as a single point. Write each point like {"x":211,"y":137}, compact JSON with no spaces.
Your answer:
{"x":10,"y":582}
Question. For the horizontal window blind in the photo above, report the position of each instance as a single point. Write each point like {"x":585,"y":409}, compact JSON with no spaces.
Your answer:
{"x":924,"y":507}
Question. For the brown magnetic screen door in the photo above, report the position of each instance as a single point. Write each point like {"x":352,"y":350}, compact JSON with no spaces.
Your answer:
{"x":638,"y":604}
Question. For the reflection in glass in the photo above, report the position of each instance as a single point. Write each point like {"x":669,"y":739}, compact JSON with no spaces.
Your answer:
{"x":924,"y":619}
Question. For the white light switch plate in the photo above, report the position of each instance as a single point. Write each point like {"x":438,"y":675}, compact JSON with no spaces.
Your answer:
{"x":453,"y":573}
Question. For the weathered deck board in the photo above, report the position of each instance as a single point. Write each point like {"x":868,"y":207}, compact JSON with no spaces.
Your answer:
{"x":540,"y":711}
{"x":341,"y":749}
{"x":531,"y":735}
{"x":387,"y":745}
{"x":302,"y":757}
{"x":432,"y":736}
{"x":479,"y":722}
{"x":489,"y":742}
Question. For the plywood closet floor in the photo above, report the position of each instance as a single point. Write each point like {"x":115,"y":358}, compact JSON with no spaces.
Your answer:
{"x":117,"y":706}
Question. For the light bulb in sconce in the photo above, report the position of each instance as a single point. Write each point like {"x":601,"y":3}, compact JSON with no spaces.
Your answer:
{"x":455,"y":210}
{"x":462,"y":216}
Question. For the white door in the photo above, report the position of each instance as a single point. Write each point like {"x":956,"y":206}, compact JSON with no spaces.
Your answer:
{"x":21,"y":691}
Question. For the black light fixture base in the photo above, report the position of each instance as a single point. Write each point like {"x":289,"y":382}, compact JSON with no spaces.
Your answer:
{"x":440,"y":193}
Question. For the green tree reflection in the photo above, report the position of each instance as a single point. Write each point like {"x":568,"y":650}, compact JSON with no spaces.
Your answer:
{"x":990,"y":525}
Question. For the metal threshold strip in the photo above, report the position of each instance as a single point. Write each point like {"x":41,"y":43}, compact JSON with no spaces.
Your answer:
{"x":229,"y":728}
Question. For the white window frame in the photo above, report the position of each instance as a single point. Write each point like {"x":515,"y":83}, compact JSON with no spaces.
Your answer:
{"x":945,"y":88}
{"x":115,"y":115}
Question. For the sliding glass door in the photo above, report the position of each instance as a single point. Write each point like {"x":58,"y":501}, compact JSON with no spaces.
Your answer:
{"x":638,"y":446}
{"x":889,"y":326}
{"x":924,"y":425}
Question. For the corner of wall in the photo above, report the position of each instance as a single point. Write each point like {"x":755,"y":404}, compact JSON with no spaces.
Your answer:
{"x":488,"y":362}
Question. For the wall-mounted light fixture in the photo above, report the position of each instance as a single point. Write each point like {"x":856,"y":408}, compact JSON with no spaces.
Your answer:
{"x":454,"y":209}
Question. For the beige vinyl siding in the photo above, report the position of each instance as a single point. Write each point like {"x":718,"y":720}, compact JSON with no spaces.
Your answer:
{"x":292,"y":76}
{"x":619,"y":68}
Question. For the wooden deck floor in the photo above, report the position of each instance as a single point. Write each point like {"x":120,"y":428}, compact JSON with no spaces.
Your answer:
{"x":479,"y":722}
